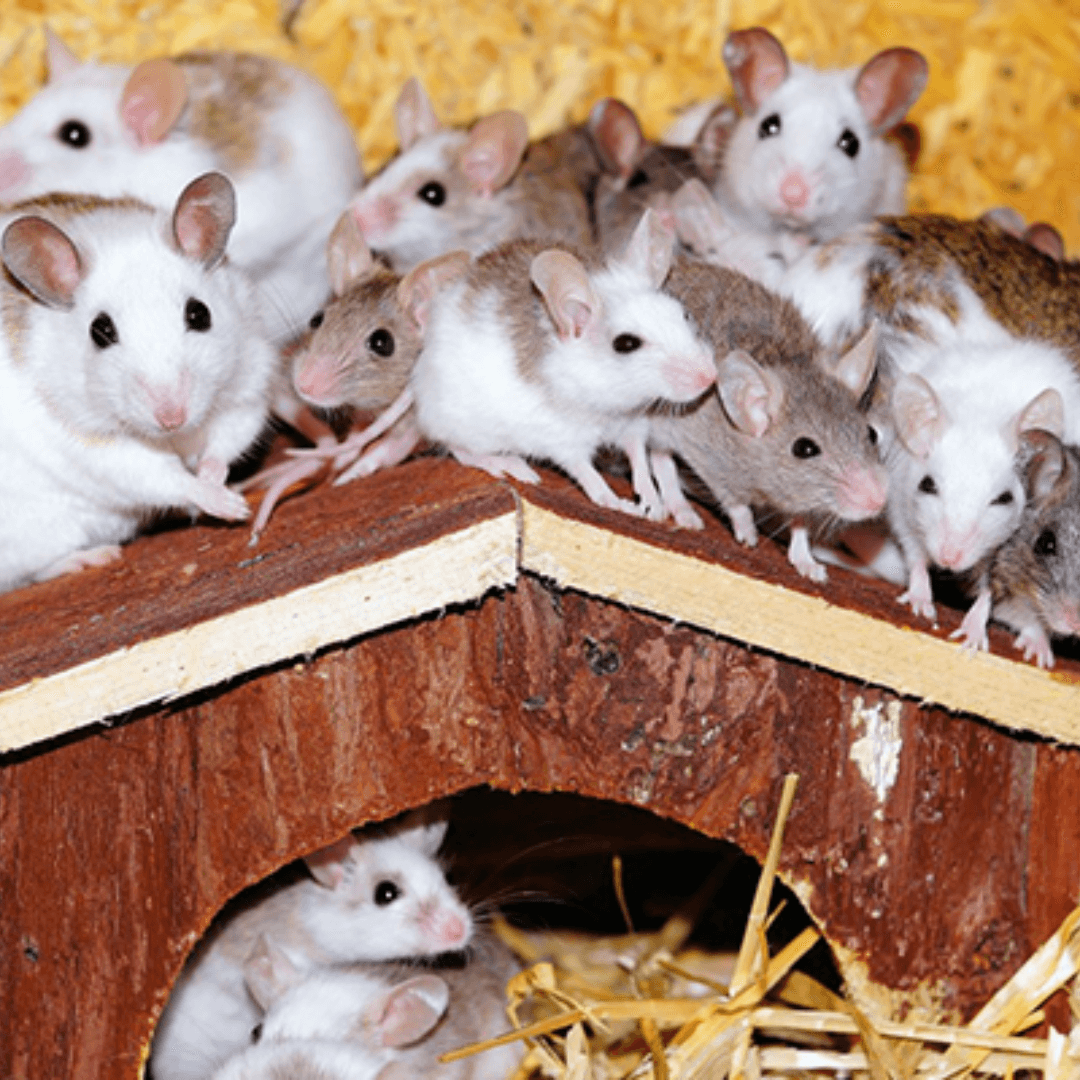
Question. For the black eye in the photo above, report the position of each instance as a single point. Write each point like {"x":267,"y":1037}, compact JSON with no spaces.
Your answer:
{"x":103,"y":331}
{"x":386,"y":892}
{"x":433,"y":193}
{"x":848,"y":142}
{"x":381,"y":342}
{"x":196,"y":316}
{"x":872,"y":435}
{"x":927,"y":486}
{"x":1046,"y":544}
{"x":639,"y":179}
{"x":1004,"y":499}
{"x":627,"y":343}
{"x":74,"y":133}
{"x":316,"y":320}
{"x":256,"y":1033}
{"x":805,"y":448}
{"x":769,"y":126}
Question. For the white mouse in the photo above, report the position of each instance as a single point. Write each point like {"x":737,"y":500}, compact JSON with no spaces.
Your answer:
{"x":147,"y":131}
{"x":134,"y":369}
{"x":452,"y":189}
{"x":531,"y":354}
{"x":332,"y":1023}
{"x":808,"y":157}
{"x":382,"y":896}
{"x":447,"y":1004}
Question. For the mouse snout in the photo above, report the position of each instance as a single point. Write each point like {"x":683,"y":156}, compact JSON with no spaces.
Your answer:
{"x":170,"y":405}
{"x":317,"y":380}
{"x":957,"y":551}
{"x":690,"y":374}
{"x":446,"y":928}
{"x":863,"y":491}
{"x":376,"y":215}
{"x":14,"y":171}
{"x":794,"y":191}
{"x":1063,"y":615}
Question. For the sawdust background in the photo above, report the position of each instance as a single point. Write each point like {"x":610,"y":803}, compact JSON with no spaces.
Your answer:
{"x":1000,"y":118}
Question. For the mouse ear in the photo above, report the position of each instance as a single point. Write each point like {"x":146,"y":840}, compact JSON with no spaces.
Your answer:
{"x":43,"y":260}
{"x":268,"y":972}
{"x":889,"y":84}
{"x":423,"y":829}
{"x":617,"y":137}
{"x":567,"y":291}
{"x":59,"y":59}
{"x":494,"y":151}
{"x":420,"y":286}
{"x":918,"y":414}
{"x":1042,"y":236}
{"x":1045,"y":411}
{"x":406,"y":1012}
{"x":204,"y":217}
{"x":855,"y":368}
{"x":327,"y":866}
{"x":414,"y":115}
{"x":1043,"y":460}
{"x":757,"y":64}
{"x":699,"y":222}
{"x":153,"y":99}
{"x":752,"y":395}
{"x":710,"y":143}
{"x":348,"y":257}
{"x":651,"y":248}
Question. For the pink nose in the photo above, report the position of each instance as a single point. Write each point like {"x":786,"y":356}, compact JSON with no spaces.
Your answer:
{"x":315,"y":380}
{"x":795,"y":191}
{"x":170,"y":414}
{"x":864,"y":491}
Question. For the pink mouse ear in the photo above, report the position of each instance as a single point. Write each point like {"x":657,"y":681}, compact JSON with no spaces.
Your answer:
{"x":153,"y":99}
{"x":204,"y":217}
{"x":494,"y":151}
{"x":651,"y":248}
{"x":268,"y":972}
{"x":59,"y":59}
{"x":752,"y":395}
{"x":43,"y":260}
{"x":327,"y":865}
{"x":889,"y":84}
{"x":757,"y":64}
{"x":414,"y":115}
{"x":408,"y":1011}
{"x":348,"y":257}
{"x":419,"y":287}
{"x":567,"y":291}
{"x":617,"y":136}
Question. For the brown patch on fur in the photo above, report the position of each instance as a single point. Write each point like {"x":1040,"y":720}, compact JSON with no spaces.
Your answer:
{"x":1030,"y":294}
{"x":230,"y":97}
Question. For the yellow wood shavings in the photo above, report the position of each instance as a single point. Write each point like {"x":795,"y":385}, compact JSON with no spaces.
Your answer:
{"x":1000,"y":117}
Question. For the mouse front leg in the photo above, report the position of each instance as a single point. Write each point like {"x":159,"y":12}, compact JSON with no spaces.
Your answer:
{"x":596,"y":487}
{"x":802,"y":558}
{"x":972,"y":631}
{"x":1034,"y":642}
{"x":671,"y":491}
{"x":512,"y":465}
{"x":919,"y":595}
{"x":650,"y":501}
{"x":80,"y":560}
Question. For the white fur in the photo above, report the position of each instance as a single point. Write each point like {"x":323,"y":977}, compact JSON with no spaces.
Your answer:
{"x":210,"y":1014}
{"x":287,"y":204}
{"x":472,"y":395}
{"x":83,"y":460}
{"x":982,"y":386}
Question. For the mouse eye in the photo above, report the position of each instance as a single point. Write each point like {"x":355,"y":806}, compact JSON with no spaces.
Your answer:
{"x":197,"y":316}
{"x":316,"y":320}
{"x":848,"y":142}
{"x":872,"y":435}
{"x":433,"y":193}
{"x":1046,"y":544}
{"x":1004,"y":499}
{"x":386,"y":892}
{"x":627,"y":343}
{"x":103,"y":331}
{"x":74,"y":133}
{"x":805,"y":448}
{"x":927,"y":485}
{"x":639,"y":179}
{"x":381,"y":342}
{"x":256,"y":1033}
{"x":769,"y":126}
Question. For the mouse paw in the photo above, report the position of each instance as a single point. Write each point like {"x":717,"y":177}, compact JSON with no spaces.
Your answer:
{"x":1035,"y":644}
{"x":742,"y":525}
{"x":511,"y":465}
{"x":919,"y":595}
{"x":217,"y":500}
{"x":80,"y":560}
{"x":802,"y":558}
{"x":923,"y":608}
